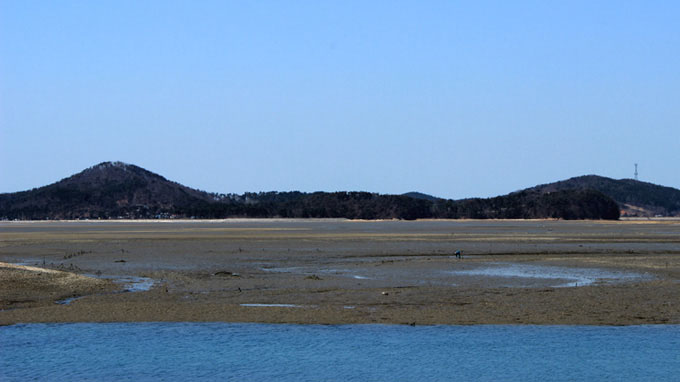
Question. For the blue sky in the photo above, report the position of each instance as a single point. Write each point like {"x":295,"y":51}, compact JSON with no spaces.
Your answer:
{"x":456,"y":99}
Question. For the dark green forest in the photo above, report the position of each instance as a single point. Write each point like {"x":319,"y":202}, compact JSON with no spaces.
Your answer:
{"x":117,"y":190}
{"x":650,"y":199}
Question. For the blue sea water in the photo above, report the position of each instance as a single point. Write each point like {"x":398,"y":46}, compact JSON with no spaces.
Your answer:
{"x":263,"y":352}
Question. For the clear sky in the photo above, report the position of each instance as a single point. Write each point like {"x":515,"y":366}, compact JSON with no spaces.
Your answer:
{"x":452,"y":98}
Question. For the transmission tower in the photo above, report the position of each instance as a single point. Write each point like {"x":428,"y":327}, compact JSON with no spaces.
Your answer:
{"x":636,"y":173}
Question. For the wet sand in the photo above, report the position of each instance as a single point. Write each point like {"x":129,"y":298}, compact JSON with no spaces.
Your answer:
{"x":338,"y":271}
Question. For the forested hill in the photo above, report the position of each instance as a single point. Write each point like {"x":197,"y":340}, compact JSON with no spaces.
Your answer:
{"x":107,"y":190}
{"x":113,"y":190}
{"x":635,"y":198}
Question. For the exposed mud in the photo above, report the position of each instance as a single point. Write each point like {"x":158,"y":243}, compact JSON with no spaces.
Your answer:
{"x":337,"y":271}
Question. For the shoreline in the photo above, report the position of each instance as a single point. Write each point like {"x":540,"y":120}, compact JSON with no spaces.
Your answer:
{"x":624,"y":219}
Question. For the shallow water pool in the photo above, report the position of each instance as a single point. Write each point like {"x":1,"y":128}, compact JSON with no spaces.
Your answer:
{"x":554,"y":275}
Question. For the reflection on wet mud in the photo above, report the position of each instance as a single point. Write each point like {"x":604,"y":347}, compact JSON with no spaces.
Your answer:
{"x":556,"y":276}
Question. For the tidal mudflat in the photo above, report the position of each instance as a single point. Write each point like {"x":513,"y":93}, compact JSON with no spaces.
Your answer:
{"x":341,"y":271}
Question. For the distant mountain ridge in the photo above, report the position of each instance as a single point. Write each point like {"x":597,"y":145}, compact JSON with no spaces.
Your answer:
{"x":113,"y":190}
{"x":635,"y":198}
{"x":420,"y":195}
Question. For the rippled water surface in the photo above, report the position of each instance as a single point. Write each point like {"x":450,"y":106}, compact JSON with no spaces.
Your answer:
{"x":258,"y":352}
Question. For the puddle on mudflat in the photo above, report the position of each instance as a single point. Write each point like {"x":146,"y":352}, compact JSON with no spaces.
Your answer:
{"x":273,"y":305}
{"x":135,"y":283}
{"x":131,"y":284}
{"x":344,"y":273}
{"x":562,"y":276}
{"x":309,"y":271}
{"x":67,"y":301}
{"x":283,"y":269}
